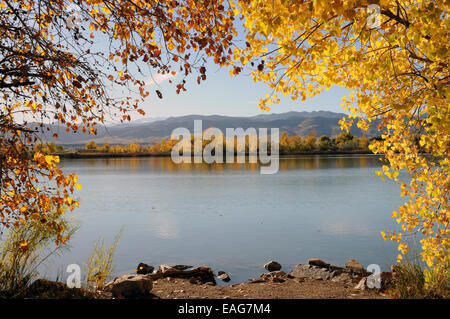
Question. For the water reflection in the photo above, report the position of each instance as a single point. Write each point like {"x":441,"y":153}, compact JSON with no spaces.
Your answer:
{"x":163,"y":226}
{"x":165,"y":164}
{"x":341,"y":227}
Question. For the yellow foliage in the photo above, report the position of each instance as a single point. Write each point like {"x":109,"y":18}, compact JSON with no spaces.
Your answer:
{"x":398,"y":74}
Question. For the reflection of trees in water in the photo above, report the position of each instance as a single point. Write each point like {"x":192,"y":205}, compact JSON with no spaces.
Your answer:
{"x":344,"y":227}
{"x":165,"y":164}
{"x":163,"y":226}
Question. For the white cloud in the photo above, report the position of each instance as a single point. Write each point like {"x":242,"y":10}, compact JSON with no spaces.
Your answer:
{"x":159,"y":78}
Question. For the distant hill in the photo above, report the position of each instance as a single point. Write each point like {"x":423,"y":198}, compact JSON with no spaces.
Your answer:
{"x":150,"y":130}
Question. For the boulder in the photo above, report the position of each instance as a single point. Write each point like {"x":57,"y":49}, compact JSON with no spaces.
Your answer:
{"x":343,"y":277}
{"x":164,"y":268}
{"x":144,"y":269}
{"x":223,"y":276}
{"x":318,"y":262}
{"x":272,"y":266}
{"x":310,"y":271}
{"x":131,"y":286}
{"x":201,"y":274}
{"x":385,"y":282}
{"x":275,"y":276}
{"x":354,"y":266}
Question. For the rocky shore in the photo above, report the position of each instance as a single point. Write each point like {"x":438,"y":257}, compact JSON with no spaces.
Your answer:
{"x":314,"y":279}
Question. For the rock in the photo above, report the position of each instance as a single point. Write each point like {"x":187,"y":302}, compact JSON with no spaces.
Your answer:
{"x":318,"y":262}
{"x":361,"y":285}
{"x":272,"y":266}
{"x":131,"y":286}
{"x":163,"y":268}
{"x":202,"y":274}
{"x":354,"y":266}
{"x":278,"y":273}
{"x":385,"y":282}
{"x":275,"y":276}
{"x":144,"y":269}
{"x":343,"y":278}
{"x":223,"y":276}
{"x":310,"y":271}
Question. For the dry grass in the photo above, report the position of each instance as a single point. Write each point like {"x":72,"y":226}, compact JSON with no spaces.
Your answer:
{"x":410,"y":282}
{"x":101,"y":262}
{"x":19,"y":264}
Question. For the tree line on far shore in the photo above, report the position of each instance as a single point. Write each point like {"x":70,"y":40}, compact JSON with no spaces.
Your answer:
{"x":343,"y":142}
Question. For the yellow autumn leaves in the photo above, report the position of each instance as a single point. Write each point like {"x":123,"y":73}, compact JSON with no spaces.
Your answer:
{"x":397,"y":73}
{"x":398,"y":77}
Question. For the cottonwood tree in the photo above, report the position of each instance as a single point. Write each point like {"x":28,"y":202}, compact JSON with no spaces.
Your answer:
{"x":62,"y":62}
{"x":393,"y":57}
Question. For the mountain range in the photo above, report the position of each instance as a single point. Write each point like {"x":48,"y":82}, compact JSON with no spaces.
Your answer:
{"x":148,"y":130}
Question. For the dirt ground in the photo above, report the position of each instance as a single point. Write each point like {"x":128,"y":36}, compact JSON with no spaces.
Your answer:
{"x":175,"y":288}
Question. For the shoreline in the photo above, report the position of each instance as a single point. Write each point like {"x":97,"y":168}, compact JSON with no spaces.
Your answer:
{"x":312,"y":280}
{"x":80,"y":155}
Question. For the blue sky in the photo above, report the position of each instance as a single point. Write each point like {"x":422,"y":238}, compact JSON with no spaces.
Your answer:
{"x":232,"y":96}
{"x":219,"y":94}
{"x":226,"y":95}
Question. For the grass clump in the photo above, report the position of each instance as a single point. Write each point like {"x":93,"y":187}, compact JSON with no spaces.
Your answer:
{"x":23,"y":249}
{"x":412,"y":280}
{"x":100,"y":264}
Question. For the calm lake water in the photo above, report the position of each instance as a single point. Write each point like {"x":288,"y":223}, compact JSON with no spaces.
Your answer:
{"x":231,"y":218}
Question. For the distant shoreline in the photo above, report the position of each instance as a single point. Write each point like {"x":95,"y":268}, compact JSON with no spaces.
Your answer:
{"x":119,"y":155}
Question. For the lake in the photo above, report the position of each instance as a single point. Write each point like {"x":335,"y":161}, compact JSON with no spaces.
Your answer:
{"x":229,"y":216}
